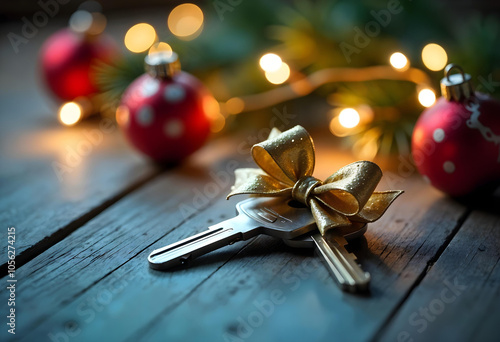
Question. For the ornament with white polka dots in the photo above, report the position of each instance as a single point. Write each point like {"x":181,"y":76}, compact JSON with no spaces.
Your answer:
{"x":162,"y":113}
{"x":456,"y":142}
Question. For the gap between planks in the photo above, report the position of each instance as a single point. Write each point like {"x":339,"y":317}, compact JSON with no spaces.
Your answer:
{"x":200,"y":210}
{"x":379,"y":333}
{"x":41,"y":246}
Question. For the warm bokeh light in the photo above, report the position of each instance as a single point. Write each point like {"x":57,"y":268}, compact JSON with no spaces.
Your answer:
{"x":235,"y":105}
{"x":270,"y":62}
{"x":336,"y":128}
{"x":349,"y":117}
{"x":366,"y":113}
{"x":140,"y":37}
{"x":426,"y":97}
{"x":279,"y":76}
{"x":398,"y":61}
{"x":217,"y":124}
{"x":186,"y":21}
{"x":122,"y":115}
{"x":212,"y":111}
{"x":211,"y":107}
{"x":98,"y":24}
{"x":70,"y":113}
{"x":434,"y":57}
{"x":161,"y":47}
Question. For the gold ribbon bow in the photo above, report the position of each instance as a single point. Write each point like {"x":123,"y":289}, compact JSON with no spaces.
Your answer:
{"x":286,"y":161}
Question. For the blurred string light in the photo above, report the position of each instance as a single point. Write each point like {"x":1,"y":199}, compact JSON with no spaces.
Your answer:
{"x":212,"y":110}
{"x":98,"y":24}
{"x":270,"y":62}
{"x":235,"y":105}
{"x":279,"y":76}
{"x":426,"y":97}
{"x":217,"y":124}
{"x":70,"y":113}
{"x":186,"y":21}
{"x":349,"y":117}
{"x":346,"y":120}
{"x":161,"y":47}
{"x":276,"y":71}
{"x":122,"y":115}
{"x":399,"y":61}
{"x":434,"y":57}
{"x":306,"y":84}
{"x":140,"y":37}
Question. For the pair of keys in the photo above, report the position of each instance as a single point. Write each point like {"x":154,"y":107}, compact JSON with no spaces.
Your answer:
{"x":279,"y":218}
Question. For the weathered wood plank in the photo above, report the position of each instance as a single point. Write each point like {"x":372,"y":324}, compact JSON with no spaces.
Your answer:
{"x":398,"y":249}
{"x":459,"y":298}
{"x":96,"y":250}
{"x":53,"y":179}
{"x":208,"y":298}
{"x":44,"y":208}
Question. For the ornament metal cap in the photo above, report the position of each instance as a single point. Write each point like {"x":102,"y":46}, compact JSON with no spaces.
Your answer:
{"x":162,"y":64}
{"x":456,"y":87}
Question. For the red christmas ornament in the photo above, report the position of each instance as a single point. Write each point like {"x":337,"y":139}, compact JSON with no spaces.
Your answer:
{"x":456,"y":142}
{"x":67,"y":59}
{"x":163,"y":113}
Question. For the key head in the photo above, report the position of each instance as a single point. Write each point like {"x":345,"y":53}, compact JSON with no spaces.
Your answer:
{"x":277,"y":216}
{"x":272,"y":216}
{"x":305,"y":241}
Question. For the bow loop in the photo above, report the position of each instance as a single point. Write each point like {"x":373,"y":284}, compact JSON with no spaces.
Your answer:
{"x":348,"y":189}
{"x":286,"y":157}
{"x":346,"y":198}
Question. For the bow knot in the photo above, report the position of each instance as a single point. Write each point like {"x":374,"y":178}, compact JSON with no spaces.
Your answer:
{"x":303,"y":187}
{"x":286,"y":162}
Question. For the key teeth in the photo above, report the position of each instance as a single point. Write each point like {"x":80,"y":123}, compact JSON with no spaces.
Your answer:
{"x":347,"y":271}
{"x":354,"y":257}
{"x":360,"y":287}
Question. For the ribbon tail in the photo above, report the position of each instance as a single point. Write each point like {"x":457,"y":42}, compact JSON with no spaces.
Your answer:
{"x":326,"y":219}
{"x":257,"y":182}
{"x":376,"y":206}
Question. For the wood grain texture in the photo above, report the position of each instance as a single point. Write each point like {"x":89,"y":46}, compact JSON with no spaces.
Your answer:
{"x":96,"y":167}
{"x":97,"y":249}
{"x":85,"y":238}
{"x":104,"y":264}
{"x":459,"y":298}
{"x":396,"y":253}
{"x":43,"y":207}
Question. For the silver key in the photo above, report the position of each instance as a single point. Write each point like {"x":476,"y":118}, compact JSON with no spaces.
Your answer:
{"x":258,"y":215}
{"x":341,"y":264}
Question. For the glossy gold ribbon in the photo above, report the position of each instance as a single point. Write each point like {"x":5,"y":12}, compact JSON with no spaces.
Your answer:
{"x":286,"y":162}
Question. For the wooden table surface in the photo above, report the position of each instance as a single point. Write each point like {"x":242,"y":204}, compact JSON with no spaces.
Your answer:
{"x":82,"y":241}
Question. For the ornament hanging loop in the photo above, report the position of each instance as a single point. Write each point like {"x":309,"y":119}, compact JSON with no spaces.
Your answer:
{"x":456,"y":87}
{"x":450,"y":67}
